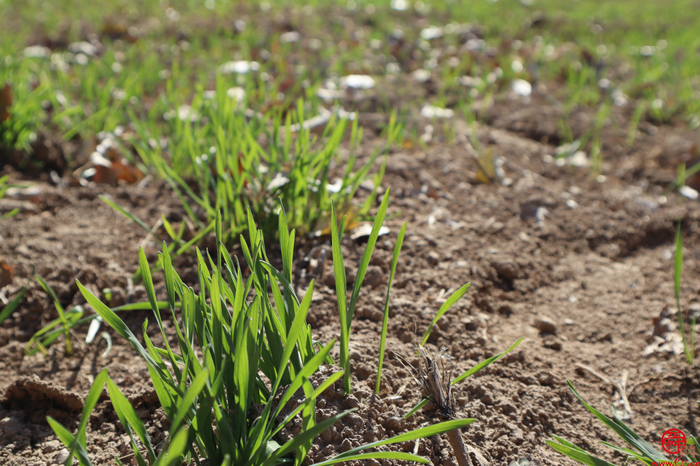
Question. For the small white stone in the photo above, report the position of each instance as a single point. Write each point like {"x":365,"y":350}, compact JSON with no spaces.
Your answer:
{"x":291,"y":36}
{"x":430,"y":111}
{"x":62,"y":456}
{"x":239,"y":67}
{"x":470,"y":81}
{"x":432,"y":32}
{"x":522,"y":87}
{"x":37,"y":51}
{"x":579,"y":159}
{"x":357,"y":81}
{"x":571,"y":204}
{"x":688,"y":192}
{"x":399,"y":5}
{"x":237,"y":93}
{"x":83,"y":47}
{"x":421,"y":75}
{"x":277,"y":182}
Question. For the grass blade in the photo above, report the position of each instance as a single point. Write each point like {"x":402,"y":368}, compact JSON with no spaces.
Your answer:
{"x":117,"y":324}
{"x":298,"y":440}
{"x":245,"y":345}
{"x":394,"y":455}
{"x":190,"y":397}
{"x":340,"y":289}
{"x":622,"y":430}
{"x":78,"y":444}
{"x":678,"y":267}
{"x":485,"y":363}
{"x":12,"y":305}
{"x":127,"y":214}
{"x":68,"y":440}
{"x":321,"y":388}
{"x":305,"y":373}
{"x":49,"y":334}
{"x":423,"y":432}
{"x":293,"y":335}
{"x":385,"y":322}
{"x":308,"y":416}
{"x":444,"y":308}
{"x":130,"y":420}
{"x":688,"y":347}
{"x":90,"y":402}
{"x":576,"y":453}
{"x":59,"y":308}
{"x":367,"y":255}
{"x":177,"y":448}
{"x":415,"y":409}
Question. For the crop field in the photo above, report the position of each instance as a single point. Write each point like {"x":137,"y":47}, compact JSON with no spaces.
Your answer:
{"x":367,"y":232}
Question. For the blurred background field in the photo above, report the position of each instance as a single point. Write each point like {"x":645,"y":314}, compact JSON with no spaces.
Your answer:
{"x":80,"y":68}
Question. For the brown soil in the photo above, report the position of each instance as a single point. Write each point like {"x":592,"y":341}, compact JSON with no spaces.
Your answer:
{"x":591,"y":262}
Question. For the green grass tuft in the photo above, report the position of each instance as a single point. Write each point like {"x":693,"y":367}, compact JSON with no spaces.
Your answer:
{"x":641,"y":450}
{"x":235,"y":350}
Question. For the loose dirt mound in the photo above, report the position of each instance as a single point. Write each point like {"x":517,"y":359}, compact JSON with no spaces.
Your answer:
{"x":583,"y":270}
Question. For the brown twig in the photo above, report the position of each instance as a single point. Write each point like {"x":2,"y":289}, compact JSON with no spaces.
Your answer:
{"x":455,"y":439}
{"x":619,"y":387}
{"x":436,"y":383}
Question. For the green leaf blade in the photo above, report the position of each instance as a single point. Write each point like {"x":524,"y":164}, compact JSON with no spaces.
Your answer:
{"x":443,"y":309}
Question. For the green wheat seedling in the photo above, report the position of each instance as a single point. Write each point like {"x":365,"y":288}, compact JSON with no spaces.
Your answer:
{"x":172,"y":456}
{"x":682,"y":174}
{"x":345,"y":310}
{"x":454,"y":297}
{"x":158,"y":73}
{"x":644,"y":453}
{"x":689,"y":344}
{"x":435,"y":379}
{"x":66,"y":321}
{"x":641,"y":450}
{"x":451,"y":382}
{"x":24,"y":109}
{"x":236,"y":348}
{"x":596,"y":157}
{"x":639,"y":111}
{"x":69,"y":320}
{"x":385,"y":320}
{"x":4,"y":186}
{"x":238,"y":161}
{"x":12,"y":305}
{"x":177,"y":446}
